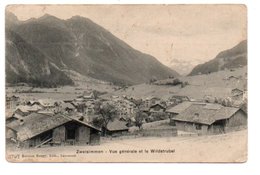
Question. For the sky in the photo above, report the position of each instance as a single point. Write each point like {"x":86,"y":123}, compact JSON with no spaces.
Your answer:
{"x":191,"y":34}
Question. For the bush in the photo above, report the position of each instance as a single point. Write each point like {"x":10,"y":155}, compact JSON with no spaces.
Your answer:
{"x":159,"y":116}
{"x":183,"y":84}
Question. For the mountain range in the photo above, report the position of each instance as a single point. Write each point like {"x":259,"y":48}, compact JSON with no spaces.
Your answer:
{"x":43,"y":51}
{"x":228,"y":59}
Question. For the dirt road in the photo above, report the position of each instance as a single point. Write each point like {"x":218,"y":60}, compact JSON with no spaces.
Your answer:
{"x":231,"y":147}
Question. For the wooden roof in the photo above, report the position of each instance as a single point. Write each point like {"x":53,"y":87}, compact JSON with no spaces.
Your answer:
{"x":35,"y":124}
{"x":205,"y":113}
{"x":179,"y":108}
{"x":117,"y":125}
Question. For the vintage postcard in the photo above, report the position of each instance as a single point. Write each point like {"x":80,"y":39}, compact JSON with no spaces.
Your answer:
{"x":126,"y":83}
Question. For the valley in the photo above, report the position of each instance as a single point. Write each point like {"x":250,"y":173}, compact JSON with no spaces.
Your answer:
{"x":74,"y":88}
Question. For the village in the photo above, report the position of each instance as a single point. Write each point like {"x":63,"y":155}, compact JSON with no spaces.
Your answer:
{"x":91,"y":118}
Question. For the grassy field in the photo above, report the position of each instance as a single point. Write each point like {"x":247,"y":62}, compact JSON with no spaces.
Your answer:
{"x":60,"y":93}
{"x":213,"y":84}
{"x":230,"y":147}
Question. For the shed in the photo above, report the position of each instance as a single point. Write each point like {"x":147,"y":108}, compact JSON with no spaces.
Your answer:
{"x":116,"y":127}
{"x":39,"y":129}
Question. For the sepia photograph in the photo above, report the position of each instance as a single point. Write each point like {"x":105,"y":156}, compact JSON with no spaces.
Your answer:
{"x":126,"y":83}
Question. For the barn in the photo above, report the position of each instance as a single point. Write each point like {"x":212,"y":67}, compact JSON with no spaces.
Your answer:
{"x":205,"y":118}
{"x":41,"y":129}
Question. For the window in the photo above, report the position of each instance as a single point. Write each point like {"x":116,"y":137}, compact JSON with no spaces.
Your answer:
{"x":198,"y":127}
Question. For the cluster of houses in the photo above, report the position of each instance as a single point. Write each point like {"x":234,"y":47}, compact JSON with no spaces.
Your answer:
{"x":35,"y":123}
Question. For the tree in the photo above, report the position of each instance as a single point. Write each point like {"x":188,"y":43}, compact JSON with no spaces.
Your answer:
{"x":176,"y":81}
{"x":159,"y":116}
{"x":95,"y":94}
{"x":139,"y":117}
{"x":183,"y":84}
{"x":152,"y":80}
{"x":98,"y":121}
{"x":107,"y":113}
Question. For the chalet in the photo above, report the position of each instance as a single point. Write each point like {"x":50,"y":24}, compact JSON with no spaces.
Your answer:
{"x":157,"y":108}
{"x":41,"y":129}
{"x":149,"y":101}
{"x":125,"y":108}
{"x":237,"y":94}
{"x":210,"y":119}
{"x":11,"y":102}
{"x":236,"y":91}
{"x":116,"y":128}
